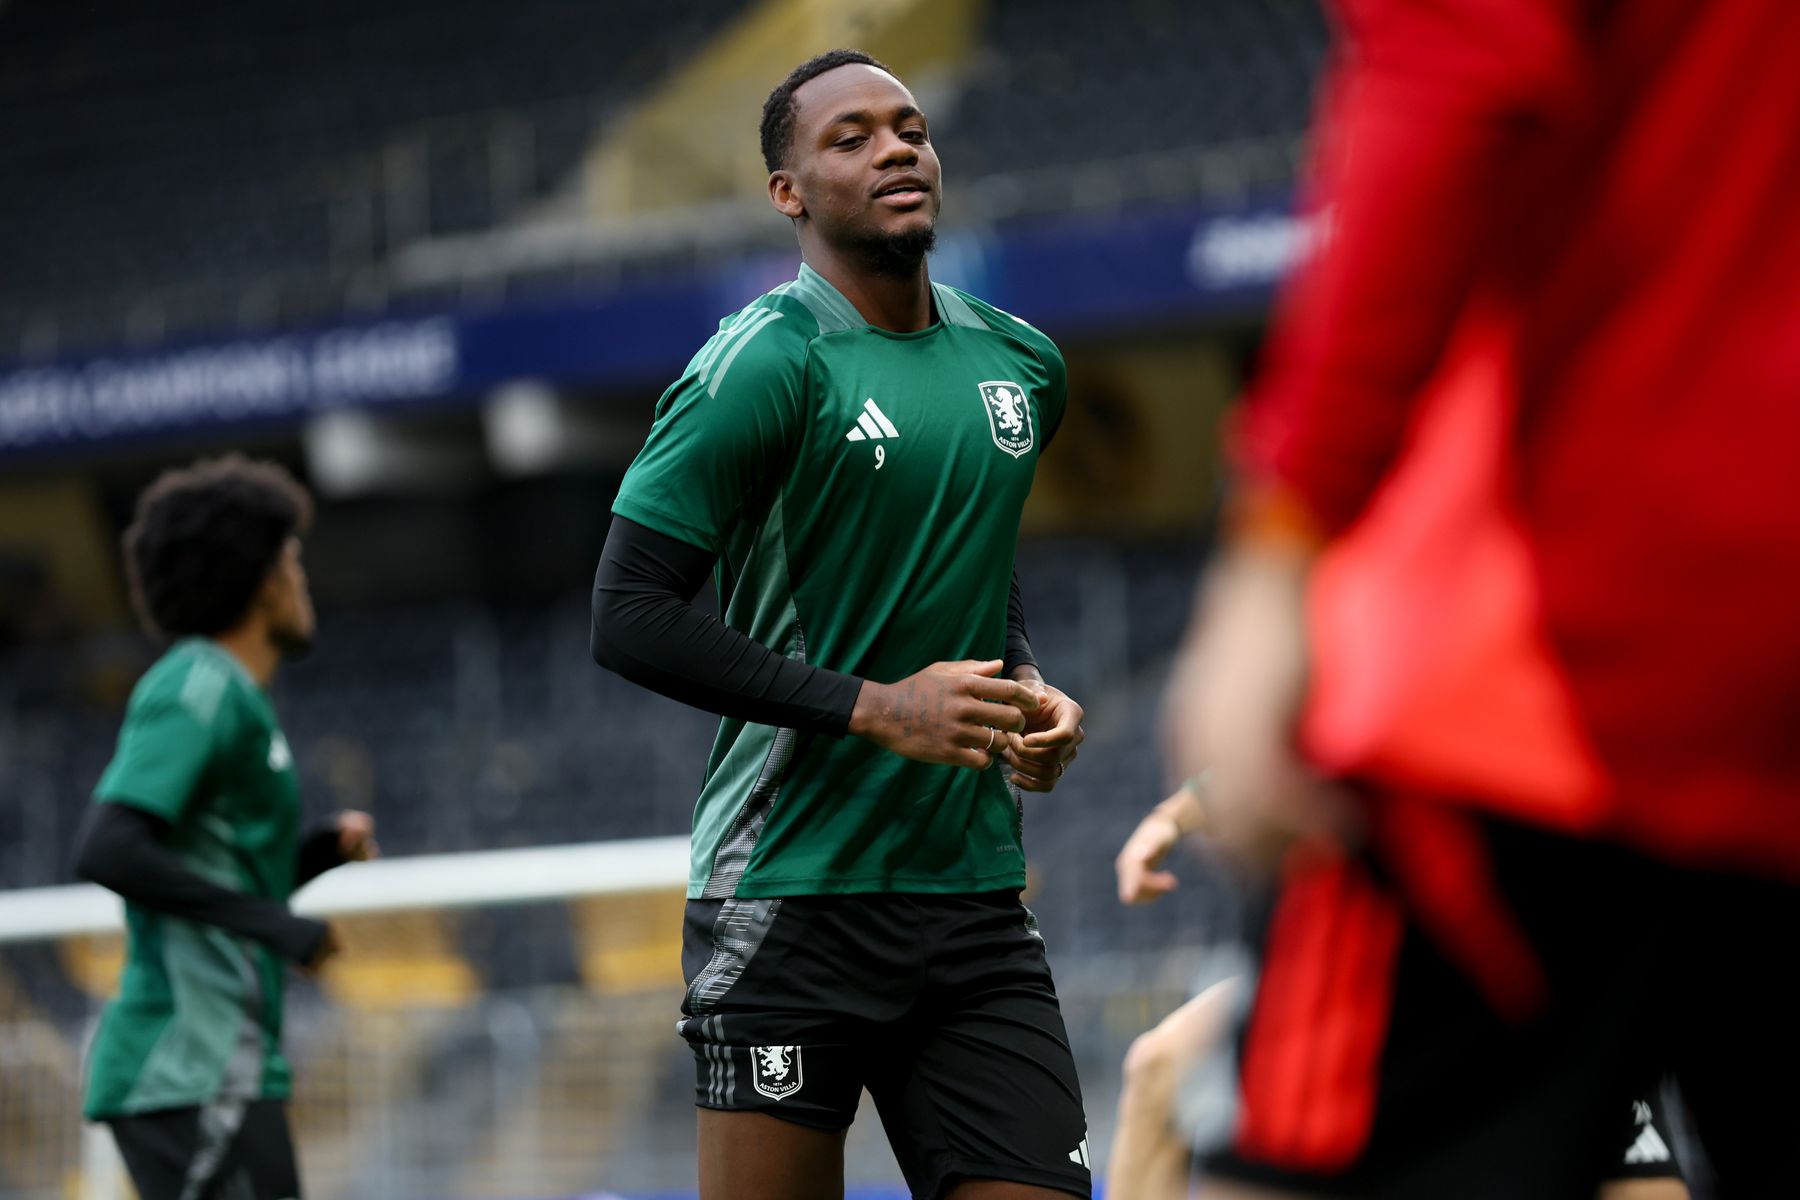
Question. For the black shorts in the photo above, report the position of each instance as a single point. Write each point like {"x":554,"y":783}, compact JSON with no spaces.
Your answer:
{"x":941,"y":1006}
{"x":1469,"y":1007}
{"x":224,"y":1151}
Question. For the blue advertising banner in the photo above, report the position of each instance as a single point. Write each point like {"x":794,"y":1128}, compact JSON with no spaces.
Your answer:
{"x":1070,"y":276}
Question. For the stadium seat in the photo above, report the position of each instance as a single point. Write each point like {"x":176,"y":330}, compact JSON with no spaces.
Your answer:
{"x":631,"y":942}
{"x":399,"y":961}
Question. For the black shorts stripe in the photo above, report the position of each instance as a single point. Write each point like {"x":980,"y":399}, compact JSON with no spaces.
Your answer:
{"x":737,"y":933}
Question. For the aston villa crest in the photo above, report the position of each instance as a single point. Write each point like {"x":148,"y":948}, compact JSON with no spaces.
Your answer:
{"x":1009,"y":415}
{"x":777,"y":1073}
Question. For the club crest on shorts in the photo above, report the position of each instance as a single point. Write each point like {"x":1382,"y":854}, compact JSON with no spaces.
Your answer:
{"x":777,"y":1073}
{"x":1008,"y":414}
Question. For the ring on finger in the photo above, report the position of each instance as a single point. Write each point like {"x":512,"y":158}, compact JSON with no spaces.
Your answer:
{"x":992,"y":733}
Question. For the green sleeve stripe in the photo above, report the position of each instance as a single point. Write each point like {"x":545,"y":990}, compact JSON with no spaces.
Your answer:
{"x":740,"y":324}
{"x":203,"y":689}
{"x":716,"y":345}
{"x":744,"y":339}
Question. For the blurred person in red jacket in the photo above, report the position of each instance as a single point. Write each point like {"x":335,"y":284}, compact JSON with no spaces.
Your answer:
{"x":1500,"y":667}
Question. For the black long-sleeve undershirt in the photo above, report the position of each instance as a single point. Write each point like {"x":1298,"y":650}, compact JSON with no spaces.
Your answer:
{"x":1018,"y":643}
{"x":122,"y":849}
{"x":647,"y":629}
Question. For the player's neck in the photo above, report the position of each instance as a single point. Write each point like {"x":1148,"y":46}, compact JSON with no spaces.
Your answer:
{"x":251,"y":645}
{"x":896,"y":303}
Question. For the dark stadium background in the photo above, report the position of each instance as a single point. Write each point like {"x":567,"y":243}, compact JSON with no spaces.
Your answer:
{"x":439,"y":257}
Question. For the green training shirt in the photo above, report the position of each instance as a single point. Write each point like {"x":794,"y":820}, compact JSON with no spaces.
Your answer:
{"x":198,"y":1015}
{"x":862,"y":489}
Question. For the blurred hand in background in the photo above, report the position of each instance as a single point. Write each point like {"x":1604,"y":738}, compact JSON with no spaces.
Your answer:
{"x":356,"y":836}
{"x":1234,"y":703}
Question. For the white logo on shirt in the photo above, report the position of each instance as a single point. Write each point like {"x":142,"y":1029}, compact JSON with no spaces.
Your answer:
{"x":1009,"y":417}
{"x":871,"y":424}
{"x":280,"y":757}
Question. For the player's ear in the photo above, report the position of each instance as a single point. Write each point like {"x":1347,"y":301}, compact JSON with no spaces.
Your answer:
{"x":785,"y":196}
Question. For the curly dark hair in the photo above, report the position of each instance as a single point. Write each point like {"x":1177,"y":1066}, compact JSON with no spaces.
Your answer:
{"x":205,"y":537}
{"x":779,"y":112}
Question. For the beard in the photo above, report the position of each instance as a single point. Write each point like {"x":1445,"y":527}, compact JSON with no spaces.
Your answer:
{"x":896,"y":255}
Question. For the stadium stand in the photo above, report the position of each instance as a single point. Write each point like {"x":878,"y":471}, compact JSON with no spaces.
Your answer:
{"x":351,"y":128}
{"x":1063,"y":83}
{"x":354,"y":131}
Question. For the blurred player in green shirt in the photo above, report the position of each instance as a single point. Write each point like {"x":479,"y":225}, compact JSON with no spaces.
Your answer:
{"x":197,"y":826}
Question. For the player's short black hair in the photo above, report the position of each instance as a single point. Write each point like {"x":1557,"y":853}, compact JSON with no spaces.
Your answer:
{"x":779,"y":113}
{"x":205,"y":537}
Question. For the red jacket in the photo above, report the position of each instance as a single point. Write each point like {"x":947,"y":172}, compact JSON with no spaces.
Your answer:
{"x":1584,"y":217}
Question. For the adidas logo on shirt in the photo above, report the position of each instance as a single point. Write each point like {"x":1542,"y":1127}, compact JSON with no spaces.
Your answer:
{"x":871,"y":425}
